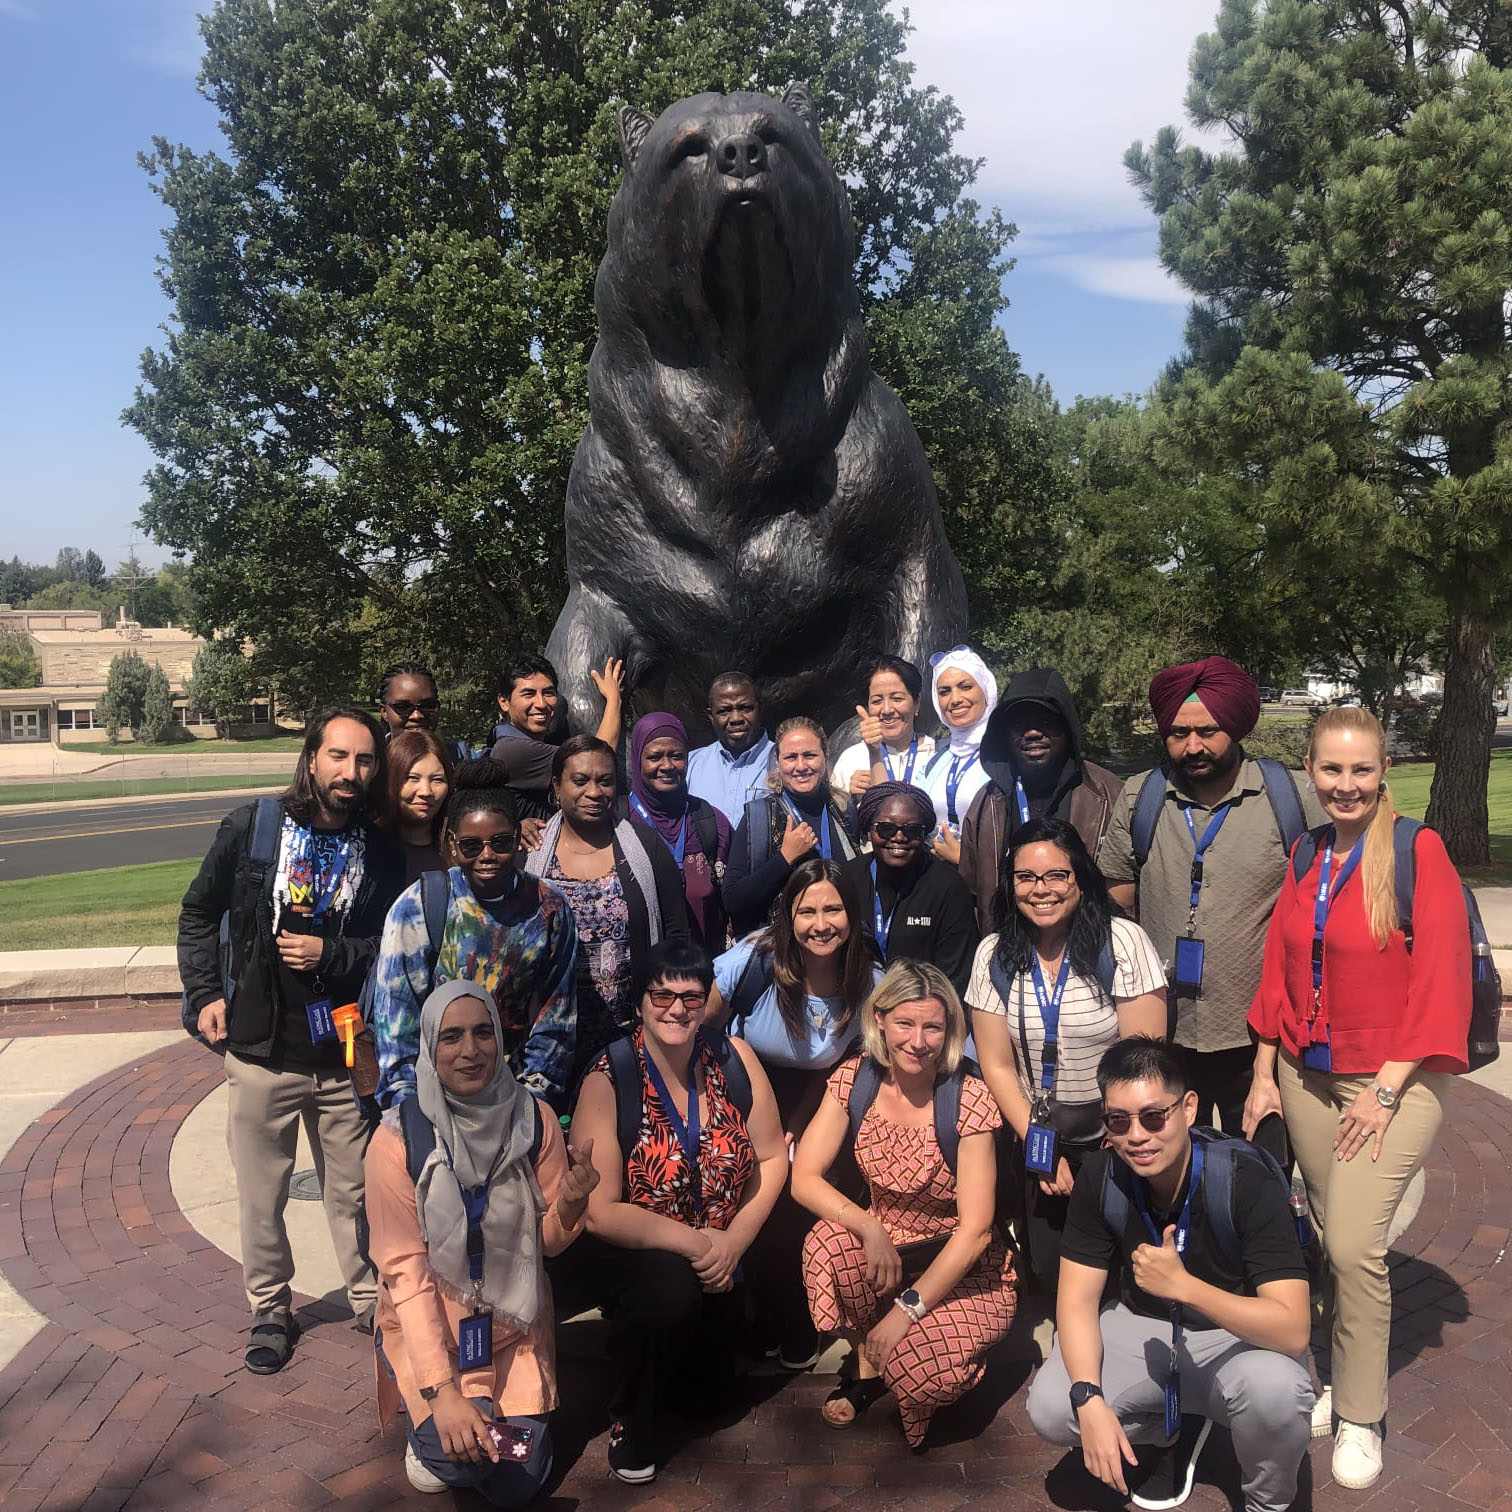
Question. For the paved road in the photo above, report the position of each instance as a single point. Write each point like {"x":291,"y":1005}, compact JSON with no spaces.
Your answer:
{"x":117,"y":834}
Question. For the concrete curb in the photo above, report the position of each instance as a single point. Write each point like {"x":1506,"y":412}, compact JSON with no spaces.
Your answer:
{"x":120,"y":971}
{"x":69,"y":804}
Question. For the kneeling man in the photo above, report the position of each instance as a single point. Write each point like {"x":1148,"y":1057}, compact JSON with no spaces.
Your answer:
{"x":1212,"y":1314}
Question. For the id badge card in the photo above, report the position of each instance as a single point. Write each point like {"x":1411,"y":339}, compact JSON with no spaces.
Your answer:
{"x":475,"y":1342}
{"x":1039,"y":1150}
{"x":1189,"y":958}
{"x":1318,"y":1057}
{"x":1173,"y":1400}
{"x":322,"y":1027}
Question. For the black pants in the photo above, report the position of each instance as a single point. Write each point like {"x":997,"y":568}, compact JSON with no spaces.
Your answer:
{"x":670,"y":1340}
{"x":1221,"y":1080}
{"x":774,"y":1269}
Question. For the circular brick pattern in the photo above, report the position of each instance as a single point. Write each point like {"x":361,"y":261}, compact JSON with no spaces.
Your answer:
{"x":133,"y":1394}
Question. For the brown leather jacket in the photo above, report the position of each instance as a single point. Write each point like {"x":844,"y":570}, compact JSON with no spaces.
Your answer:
{"x":984,"y":831}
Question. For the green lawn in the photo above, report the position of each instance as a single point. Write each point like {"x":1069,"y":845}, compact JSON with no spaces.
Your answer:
{"x":121,"y":905}
{"x":131,"y":787}
{"x":190,"y":746}
{"x":1409,"y":785}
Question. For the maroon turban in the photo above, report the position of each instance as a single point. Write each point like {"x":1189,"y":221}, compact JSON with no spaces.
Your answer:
{"x":1224,"y":689}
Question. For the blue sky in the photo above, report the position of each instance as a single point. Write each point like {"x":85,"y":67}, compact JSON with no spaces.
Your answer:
{"x":86,"y":84}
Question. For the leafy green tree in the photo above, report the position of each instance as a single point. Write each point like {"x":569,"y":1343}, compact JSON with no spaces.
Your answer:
{"x":1349,"y":350}
{"x":17,"y":582}
{"x":122,"y":704}
{"x":368,"y":402}
{"x":74,"y":593}
{"x":222,"y":681}
{"x":157,"y":708}
{"x":19,"y":667}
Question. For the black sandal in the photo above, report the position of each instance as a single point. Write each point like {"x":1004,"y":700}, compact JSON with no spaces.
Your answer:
{"x":858,"y":1394}
{"x":271,"y":1344}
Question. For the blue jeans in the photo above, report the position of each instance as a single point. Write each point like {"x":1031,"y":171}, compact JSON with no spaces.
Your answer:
{"x":510,"y":1483}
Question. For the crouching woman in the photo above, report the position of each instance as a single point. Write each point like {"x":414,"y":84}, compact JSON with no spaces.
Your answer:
{"x":917,"y":1279}
{"x":469,"y":1185}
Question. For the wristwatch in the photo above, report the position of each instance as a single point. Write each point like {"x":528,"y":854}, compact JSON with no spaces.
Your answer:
{"x":430,"y":1393}
{"x":1082,"y":1392}
{"x":911,"y":1303}
{"x":1386,"y":1096}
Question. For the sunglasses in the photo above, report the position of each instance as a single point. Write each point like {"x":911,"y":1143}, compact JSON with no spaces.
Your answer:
{"x":472,"y":846}
{"x":1152,"y":1120}
{"x":885,"y":829}
{"x":662,"y":998}
{"x":404,"y":708}
{"x":940,"y":656}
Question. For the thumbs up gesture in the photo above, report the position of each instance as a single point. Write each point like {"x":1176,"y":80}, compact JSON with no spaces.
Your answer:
{"x":1158,"y":1270}
{"x":870,"y":728}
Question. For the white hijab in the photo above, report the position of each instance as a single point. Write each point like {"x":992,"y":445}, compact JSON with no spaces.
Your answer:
{"x":482,"y":1139}
{"x":967,"y":740}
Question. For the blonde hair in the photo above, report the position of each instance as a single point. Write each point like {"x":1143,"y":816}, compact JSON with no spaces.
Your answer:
{"x":797,"y":722}
{"x":1378,"y":863}
{"x":913,"y":982}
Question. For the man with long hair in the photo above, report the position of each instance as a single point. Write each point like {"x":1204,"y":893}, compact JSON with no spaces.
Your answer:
{"x":279,"y":929}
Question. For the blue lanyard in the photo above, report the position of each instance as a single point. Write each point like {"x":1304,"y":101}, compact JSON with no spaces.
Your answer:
{"x":687,"y":1133}
{"x":1183,"y":1229}
{"x":1324,"y":902}
{"x":913,"y":755}
{"x":882,"y":928}
{"x":681,"y":848}
{"x":1199,"y":850}
{"x":1049,"y":1007}
{"x":320,"y":901}
{"x":474,"y":1204}
{"x":824,"y":825}
{"x":1023,"y":801}
{"x":959,"y":766}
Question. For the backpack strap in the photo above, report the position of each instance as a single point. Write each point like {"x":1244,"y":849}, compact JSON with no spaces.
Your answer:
{"x":732,"y":1067}
{"x":624,"y":1072}
{"x":1116,"y":1205}
{"x":1002,"y":983}
{"x":947,"y":1116}
{"x":419,"y":1136}
{"x":755,"y":978}
{"x":539,"y":1137}
{"x":1107,"y":965}
{"x":1218,"y":1192}
{"x":863,"y":1093}
{"x":435,"y":901}
{"x":1306,"y":851}
{"x":758,"y":823}
{"x":1404,"y":851}
{"x":1284,"y":802}
{"x":1147,"y":808}
{"x":706,"y":828}
{"x":262,"y":838}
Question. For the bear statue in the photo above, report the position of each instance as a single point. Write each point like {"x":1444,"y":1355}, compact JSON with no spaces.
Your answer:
{"x":747,"y":493}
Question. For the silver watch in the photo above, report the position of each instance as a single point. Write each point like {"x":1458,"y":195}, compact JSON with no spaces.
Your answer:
{"x":1386,"y":1096}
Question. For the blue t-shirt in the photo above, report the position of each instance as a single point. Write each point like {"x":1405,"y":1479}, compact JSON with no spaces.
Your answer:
{"x":824,"y":1045}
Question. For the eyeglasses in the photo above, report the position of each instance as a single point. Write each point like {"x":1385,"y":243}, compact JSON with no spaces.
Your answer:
{"x":404,"y":708}
{"x":1058,"y":880}
{"x":1152,"y":1120}
{"x":662,"y":998}
{"x":472,"y":846}
{"x":885,"y":829}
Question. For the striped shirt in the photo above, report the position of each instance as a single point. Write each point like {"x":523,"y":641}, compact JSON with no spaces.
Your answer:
{"x":1088,"y":1018}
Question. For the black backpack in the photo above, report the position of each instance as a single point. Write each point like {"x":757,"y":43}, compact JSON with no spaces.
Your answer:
{"x":262,"y":852}
{"x":1485,"y":981}
{"x":1107,"y":970}
{"x":625,"y":1074}
{"x":947,"y":1104}
{"x":1279,"y":788}
{"x":435,"y":901}
{"x":420,"y":1134}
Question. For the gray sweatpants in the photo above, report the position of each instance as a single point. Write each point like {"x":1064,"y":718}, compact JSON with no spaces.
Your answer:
{"x":1264,"y":1398}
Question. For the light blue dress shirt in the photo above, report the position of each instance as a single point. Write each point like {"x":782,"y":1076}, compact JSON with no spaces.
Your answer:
{"x":730,"y":782}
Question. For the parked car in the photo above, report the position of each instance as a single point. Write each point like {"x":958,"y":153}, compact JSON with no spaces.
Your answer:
{"x":1269,"y":695}
{"x":1346,"y":701}
{"x":1297,"y":697}
{"x":1499,"y":707}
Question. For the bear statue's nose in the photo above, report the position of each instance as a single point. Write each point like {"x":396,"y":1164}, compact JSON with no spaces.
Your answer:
{"x":741,"y":156}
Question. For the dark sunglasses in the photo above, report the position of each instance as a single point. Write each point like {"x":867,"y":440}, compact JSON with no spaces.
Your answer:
{"x":662,"y":998}
{"x":472,"y":846}
{"x":404,"y":708}
{"x":1152,"y":1120}
{"x":885,"y":829}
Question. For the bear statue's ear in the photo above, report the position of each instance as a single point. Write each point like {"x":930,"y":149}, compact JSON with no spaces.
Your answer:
{"x":798,"y":98}
{"x":635,"y":126}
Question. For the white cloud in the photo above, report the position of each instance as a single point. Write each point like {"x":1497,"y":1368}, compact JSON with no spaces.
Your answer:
{"x":1053,"y":92}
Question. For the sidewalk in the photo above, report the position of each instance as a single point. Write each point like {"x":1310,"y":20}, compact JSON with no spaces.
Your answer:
{"x":131,"y":1392}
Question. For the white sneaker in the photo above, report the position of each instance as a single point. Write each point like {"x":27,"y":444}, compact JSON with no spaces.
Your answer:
{"x":420,"y":1478}
{"x":1357,"y":1455}
{"x":1322,"y":1414}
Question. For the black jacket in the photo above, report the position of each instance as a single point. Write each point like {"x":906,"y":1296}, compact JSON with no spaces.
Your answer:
{"x":751,"y":890}
{"x":935,"y":922}
{"x":256,"y":1008}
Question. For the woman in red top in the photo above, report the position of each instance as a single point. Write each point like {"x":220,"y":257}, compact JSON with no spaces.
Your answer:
{"x":666,"y":1233}
{"x":1357,"y":1054}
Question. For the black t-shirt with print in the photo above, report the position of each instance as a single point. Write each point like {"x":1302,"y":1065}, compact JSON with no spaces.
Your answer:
{"x":1262,"y":1219}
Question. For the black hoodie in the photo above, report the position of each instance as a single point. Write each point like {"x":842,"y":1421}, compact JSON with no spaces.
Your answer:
{"x":1046,"y":687}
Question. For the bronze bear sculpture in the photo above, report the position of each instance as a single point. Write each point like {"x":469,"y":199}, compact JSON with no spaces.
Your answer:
{"x":748,"y":493}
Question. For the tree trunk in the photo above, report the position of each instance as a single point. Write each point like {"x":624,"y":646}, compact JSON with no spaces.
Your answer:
{"x":1457,"y":801}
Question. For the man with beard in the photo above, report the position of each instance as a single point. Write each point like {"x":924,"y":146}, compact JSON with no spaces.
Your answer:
{"x":1197,"y":850}
{"x":279,"y":929}
{"x":732,"y":771}
{"x":1032,"y":751}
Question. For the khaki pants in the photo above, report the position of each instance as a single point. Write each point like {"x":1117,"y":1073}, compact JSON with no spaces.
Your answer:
{"x":262,"y":1134}
{"x":1353,"y":1203}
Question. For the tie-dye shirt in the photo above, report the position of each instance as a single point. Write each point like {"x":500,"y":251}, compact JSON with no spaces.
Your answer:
{"x":523,"y":949}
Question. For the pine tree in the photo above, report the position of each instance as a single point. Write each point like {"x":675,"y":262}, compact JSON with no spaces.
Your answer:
{"x":1349,"y":348}
{"x":157,"y":708}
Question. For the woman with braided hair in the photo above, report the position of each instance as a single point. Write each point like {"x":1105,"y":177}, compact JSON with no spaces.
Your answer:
{"x":915,"y":906}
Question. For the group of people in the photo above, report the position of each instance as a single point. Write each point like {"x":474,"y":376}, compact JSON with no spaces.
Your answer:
{"x":752,"y":1049}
